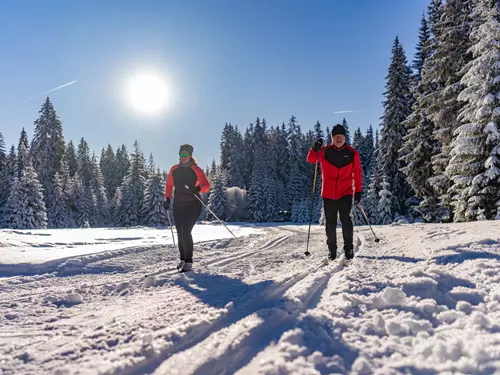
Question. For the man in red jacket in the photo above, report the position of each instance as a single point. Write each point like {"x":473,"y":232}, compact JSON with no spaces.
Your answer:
{"x":341,"y":169}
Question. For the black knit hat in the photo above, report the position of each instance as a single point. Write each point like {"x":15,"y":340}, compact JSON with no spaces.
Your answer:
{"x":186,"y":148}
{"x":338,"y":129}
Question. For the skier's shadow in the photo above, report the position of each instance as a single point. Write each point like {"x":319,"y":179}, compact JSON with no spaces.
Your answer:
{"x":319,"y":333}
{"x":219,"y":290}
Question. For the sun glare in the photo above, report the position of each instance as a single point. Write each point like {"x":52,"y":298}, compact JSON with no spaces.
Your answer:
{"x":148,"y":93}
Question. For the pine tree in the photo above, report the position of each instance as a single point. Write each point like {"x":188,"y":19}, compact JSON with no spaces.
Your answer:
{"x":109,"y":169}
{"x":217,"y":202}
{"x":235,"y":159}
{"x":424,"y":49}
{"x":297,"y":177}
{"x":5,"y":180}
{"x":257,"y":193}
{"x":435,"y":12}
{"x":328,"y":136}
{"x":225,"y":145}
{"x":85,"y":167}
{"x":372,"y":197}
{"x":443,"y":72}
{"x":396,"y":110}
{"x":248,"y":156}
{"x":474,"y":168}
{"x":59,"y":214}
{"x":47,"y":149}
{"x":366,"y":156}
{"x":279,"y":146}
{"x":347,"y":132}
{"x":153,"y":212}
{"x":385,"y":210}
{"x":122,"y":165}
{"x":419,"y":144}
{"x":101,"y":199}
{"x":71,"y":159}
{"x":25,"y":207}
{"x":133,"y":190}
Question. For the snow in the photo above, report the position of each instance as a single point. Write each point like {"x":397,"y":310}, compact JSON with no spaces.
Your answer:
{"x":423,"y":300}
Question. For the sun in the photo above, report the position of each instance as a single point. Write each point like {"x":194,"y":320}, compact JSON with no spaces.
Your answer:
{"x":148,"y":93}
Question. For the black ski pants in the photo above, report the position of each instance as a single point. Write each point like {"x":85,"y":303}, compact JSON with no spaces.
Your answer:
{"x":342,"y":207}
{"x":185,"y":215}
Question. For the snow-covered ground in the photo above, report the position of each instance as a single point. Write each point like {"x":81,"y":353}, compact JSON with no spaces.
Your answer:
{"x":424,"y":300}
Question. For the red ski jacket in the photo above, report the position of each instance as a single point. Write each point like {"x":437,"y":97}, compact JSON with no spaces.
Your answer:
{"x":181,"y":176}
{"x":339,"y":167}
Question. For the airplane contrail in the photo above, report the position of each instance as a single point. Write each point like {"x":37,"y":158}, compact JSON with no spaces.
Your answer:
{"x":350,"y":111}
{"x":46,"y":92}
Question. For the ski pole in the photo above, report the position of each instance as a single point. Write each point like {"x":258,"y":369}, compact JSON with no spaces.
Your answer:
{"x":367,"y":222}
{"x":209,"y":210}
{"x":171,"y":228}
{"x":307,"y":253}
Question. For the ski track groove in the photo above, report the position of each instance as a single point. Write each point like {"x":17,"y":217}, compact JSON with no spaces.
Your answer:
{"x":269,"y":297}
{"x":265,"y":334}
{"x":262,"y":336}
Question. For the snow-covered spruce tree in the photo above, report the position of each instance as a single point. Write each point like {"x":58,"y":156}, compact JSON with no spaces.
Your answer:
{"x":47,"y":148}
{"x":328,"y":139}
{"x":98,"y":188}
{"x":347,"y":132}
{"x":5,"y":180}
{"x":153,"y":212}
{"x":248,"y":156}
{"x":59,"y":214}
{"x":419,"y":143}
{"x":257,"y":193}
{"x":298,"y":176}
{"x":366,"y":156}
{"x":442,"y":72}
{"x":22,"y":153}
{"x":71,"y":158}
{"x":85,"y":166}
{"x":474,"y":168}
{"x":109,"y":169}
{"x":217,"y":202}
{"x":372,"y":197}
{"x":385,"y":210}
{"x":122,"y":165}
{"x":235,"y":160}
{"x":133,"y":190}
{"x":396,"y":110}
{"x":278,"y":144}
{"x":25,"y":207}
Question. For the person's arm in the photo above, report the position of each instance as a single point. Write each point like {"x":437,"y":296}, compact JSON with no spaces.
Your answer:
{"x":203,"y":183}
{"x":170,"y":184}
{"x":316,"y":153}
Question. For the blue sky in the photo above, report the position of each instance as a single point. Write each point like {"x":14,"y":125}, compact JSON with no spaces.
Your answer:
{"x":224,"y":61}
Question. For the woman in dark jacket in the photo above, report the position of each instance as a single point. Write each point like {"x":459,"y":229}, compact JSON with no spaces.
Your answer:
{"x":187,"y":180}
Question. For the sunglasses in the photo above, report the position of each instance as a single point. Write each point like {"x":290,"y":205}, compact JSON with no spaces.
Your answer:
{"x":183,"y":155}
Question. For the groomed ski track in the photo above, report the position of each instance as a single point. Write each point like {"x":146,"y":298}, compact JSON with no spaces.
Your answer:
{"x":257,"y":305}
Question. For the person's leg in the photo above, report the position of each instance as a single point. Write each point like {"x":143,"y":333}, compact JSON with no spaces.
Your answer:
{"x":345,"y":205}
{"x":330,"y":208}
{"x":179,"y":218}
{"x":192,"y":213}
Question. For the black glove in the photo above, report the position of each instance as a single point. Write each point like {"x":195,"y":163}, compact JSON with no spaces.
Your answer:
{"x":318,"y":144}
{"x":166,"y":204}
{"x":357,"y":197}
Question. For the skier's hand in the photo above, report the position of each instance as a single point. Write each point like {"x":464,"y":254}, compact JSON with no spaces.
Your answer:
{"x":194,"y":190}
{"x":357,"y":197}
{"x":318,"y":144}
{"x":166,"y":204}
